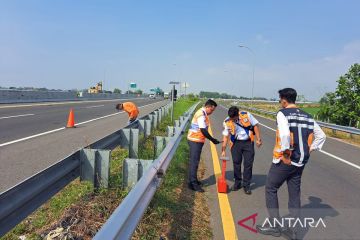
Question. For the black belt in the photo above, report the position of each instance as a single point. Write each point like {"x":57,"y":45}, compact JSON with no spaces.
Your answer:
{"x":247,"y":140}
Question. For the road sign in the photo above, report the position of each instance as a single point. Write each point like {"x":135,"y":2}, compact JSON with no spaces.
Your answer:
{"x":185,"y":85}
{"x":133,"y":85}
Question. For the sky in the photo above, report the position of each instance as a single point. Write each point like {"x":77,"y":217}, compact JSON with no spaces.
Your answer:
{"x":67,"y":44}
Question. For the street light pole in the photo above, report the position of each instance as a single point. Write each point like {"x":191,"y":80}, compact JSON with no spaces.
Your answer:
{"x":253,"y":73}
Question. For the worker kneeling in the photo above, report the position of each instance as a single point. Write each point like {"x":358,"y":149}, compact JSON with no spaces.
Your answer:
{"x":239,"y":131}
{"x":131,"y":109}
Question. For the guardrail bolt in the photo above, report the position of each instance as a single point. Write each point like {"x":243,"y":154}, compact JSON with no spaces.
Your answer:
{"x":160,"y":173}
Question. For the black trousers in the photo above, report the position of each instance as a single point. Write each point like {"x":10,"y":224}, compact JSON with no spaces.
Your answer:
{"x":195,"y":152}
{"x":239,"y":150}
{"x":278,"y":174}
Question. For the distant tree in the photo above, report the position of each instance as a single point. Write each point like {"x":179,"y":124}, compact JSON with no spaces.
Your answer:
{"x":301,"y":98}
{"x":192,"y":97}
{"x":343,"y":106}
{"x":116,"y":90}
{"x":139,"y":91}
{"x":260,"y":98}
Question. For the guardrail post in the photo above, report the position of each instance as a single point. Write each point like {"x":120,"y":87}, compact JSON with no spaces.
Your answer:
{"x":154,"y":119}
{"x":142,"y":126}
{"x":170,"y":131}
{"x":182,"y":119}
{"x":133,"y":170}
{"x":163,"y":111}
{"x":134,"y":143}
{"x":159,"y":116}
{"x":125,"y":138}
{"x":177,"y":123}
{"x":159,"y":144}
{"x":147,"y":128}
{"x":94,"y":167}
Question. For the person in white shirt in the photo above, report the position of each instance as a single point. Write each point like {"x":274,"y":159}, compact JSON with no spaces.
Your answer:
{"x":239,"y":131}
{"x":297,"y":136}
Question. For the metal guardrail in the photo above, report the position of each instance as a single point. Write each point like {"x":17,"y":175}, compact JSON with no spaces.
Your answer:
{"x":123,"y":222}
{"x":335,"y":127}
{"x":21,"y":200}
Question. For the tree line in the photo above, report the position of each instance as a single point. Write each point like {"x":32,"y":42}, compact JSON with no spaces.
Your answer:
{"x":342,"y":107}
{"x":204,"y":94}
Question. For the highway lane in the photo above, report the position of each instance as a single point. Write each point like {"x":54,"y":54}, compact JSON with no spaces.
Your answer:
{"x":330,"y":188}
{"x":19,"y":122}
{"x":21,"y":160}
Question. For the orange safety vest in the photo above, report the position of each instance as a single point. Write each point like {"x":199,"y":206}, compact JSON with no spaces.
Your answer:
{"x":131,"y":109}
{"x":194,"y":134}
{"x":244,"y":123}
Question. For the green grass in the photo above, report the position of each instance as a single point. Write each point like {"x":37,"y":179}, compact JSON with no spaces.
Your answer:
{"x":171,"y":210}
{"x":311,"y":110}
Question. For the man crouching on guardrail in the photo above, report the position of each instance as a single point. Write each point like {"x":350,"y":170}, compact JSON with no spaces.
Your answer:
{"x":196,"y":138}
{"x":297,"y":136}
{"x":131,"y":109}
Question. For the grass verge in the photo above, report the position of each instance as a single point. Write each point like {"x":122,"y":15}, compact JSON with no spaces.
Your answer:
{"x":175,"y":211}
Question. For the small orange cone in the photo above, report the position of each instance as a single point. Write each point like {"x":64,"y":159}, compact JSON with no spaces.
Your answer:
{"x":71,"y":121}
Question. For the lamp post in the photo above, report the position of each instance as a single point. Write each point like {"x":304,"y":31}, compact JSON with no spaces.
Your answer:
{"x":172,"y":100}
{"x":253,"y":77}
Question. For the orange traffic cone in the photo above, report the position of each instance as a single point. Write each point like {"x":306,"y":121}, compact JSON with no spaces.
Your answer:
{"x":71,"y":121}
{"x":221,"y":181}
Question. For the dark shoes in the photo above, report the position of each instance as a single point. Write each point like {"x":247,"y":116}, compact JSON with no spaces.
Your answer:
{"x":247,"y":190}
{"x":289,"y":233}
{"x":195,"y":187}
{"x":236,"y":186}
{"x":268,"y":230}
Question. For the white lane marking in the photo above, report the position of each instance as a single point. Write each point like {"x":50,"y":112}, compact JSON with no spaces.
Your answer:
{"x":267,"y":127}
{"x":72,"y":102}
{"x":23,"y":115}
{"x":322,"y":151}
{"x":33,"y":136}
{"x":340,"y":159}
{"x":62,"y":128}
{"x":91,"y":120}
{"x":95,"y":106}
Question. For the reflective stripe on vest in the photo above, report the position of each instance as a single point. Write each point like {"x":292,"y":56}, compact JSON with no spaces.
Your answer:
{"x":194,"y":133}
{"x":301,"y":127}
{"x":244,"y":123}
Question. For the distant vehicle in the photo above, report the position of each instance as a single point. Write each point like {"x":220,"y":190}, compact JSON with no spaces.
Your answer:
{"x":166,"y":95}
{"x":152,"y":96}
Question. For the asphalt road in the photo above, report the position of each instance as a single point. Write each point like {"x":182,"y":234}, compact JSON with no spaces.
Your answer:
{"x":26,"y":150}
{"x":330,"y":189}
{"x":19,"y":122}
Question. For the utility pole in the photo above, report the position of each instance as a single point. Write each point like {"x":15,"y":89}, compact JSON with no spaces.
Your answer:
{"x":172,"y":100}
